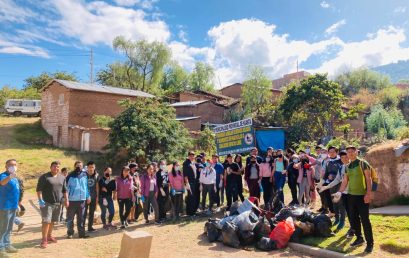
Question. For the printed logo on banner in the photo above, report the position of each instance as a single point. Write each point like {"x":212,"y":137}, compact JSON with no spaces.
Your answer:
{"x":248,"y":138}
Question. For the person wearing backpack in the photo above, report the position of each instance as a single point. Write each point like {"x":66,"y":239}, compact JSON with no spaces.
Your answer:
{"x":358,"y":177}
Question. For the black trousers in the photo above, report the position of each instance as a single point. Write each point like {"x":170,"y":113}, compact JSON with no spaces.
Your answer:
{"x":359,"y":213}
{"x":196,"y":194}
{"x":292,"y":184}
{"x":125,"y":206}
{"x":177,"y":203}
{"x":208,"y":189}
{"x":162,"y":200}
{"x":267,"y":189}
{"x":76,"y":208}
{"x":328,"y":200}
{"x":89,"y":213}
{"x":231,"y":193}
{"x":240,"y":188}
{"x":190,"y":200}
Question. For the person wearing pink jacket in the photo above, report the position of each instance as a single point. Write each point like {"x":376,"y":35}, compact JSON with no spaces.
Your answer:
{"x":305,"y":179}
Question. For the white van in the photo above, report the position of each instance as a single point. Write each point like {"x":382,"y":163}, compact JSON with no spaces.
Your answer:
{"x":18,"y":107}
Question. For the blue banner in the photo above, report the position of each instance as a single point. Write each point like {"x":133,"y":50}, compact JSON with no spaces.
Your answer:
{"x":270,"y":138}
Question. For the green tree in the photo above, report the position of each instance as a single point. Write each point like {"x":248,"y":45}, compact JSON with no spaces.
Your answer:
{"x":147,"y":59}
{"x":202,"y":77}
{"x":38,"y":82}
{"x":385,"y":122}
{"x":389,"y":97}
{"x":206,"y":141}
{"x":352,"y":81}
{"x":311,"y":108}
{"x":256,"y":91}
{"x":118,"y":75}
{"x":13,"y":93}
{"x":148,"y":130}
{"x":175,"y":79}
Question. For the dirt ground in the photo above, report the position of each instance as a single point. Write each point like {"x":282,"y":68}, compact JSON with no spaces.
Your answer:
{"x":170,"y":240}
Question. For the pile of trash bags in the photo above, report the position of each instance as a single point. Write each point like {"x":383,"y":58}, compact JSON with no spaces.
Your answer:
{"x":247,"y":224}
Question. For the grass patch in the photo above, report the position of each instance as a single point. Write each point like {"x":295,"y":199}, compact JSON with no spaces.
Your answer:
{"x":31,"y":134}
{"x":390,"y":235}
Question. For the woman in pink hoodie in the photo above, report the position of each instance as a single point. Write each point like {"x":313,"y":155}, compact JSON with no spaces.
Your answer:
{"x":305,"y":179}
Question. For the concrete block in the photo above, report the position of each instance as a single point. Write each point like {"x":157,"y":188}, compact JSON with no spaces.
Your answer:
{"x":135,"y":244}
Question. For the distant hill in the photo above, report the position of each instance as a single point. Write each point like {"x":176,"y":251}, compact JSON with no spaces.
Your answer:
{"x":396,"y":71}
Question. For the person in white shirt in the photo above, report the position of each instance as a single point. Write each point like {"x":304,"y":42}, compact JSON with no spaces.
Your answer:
{"x":208,"y":185}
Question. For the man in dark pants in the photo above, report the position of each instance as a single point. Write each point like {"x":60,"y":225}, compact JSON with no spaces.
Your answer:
{"x":359,"y":181}
{"x":232,"y":174}
{"x":93,"y":188}
{"x":162,"y":180}
{"x":197,"y":193}
{"x":78,"y":197}
{"x":189,"y":173}
{"x":292,"y":178}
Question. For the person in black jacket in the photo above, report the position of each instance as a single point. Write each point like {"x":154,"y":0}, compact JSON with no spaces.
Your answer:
{"x":189,"y":173}
{"x":292,"y":178}
{"x":162,"y":180}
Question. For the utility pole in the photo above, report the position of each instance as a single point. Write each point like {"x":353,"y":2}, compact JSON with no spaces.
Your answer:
{"x":91,"y":61}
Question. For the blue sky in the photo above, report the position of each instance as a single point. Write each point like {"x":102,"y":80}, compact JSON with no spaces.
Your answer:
{"x":324,"y":36}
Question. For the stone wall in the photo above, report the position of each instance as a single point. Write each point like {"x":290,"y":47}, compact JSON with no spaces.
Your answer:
{"x":393,"y":172}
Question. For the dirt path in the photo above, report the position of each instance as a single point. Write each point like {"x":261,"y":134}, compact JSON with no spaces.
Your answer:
{"x":171,"y":241}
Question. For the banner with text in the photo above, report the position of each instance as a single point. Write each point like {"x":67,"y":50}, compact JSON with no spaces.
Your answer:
{"x":236,"y":137}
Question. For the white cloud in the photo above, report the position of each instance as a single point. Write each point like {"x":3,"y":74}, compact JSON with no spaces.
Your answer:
{"x":98,"y":22}
{"x":182,"y":36}
{"x":11,"y":12}
{"x":7,"y":47}
{"x":381,"y":48}
{"x":147,"y":4}
{"x":334,"y":27}
{"x":240,"y":43}
{"x":400,"y":9}
{"x":324,"y":4}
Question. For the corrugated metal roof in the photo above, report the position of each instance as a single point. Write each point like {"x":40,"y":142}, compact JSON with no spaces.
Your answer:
{"x":186,"y":118}
{"x":103,"y":89}
{"x":187,"y":103}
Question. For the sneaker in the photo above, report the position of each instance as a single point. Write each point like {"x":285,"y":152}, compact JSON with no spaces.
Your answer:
{"x":11,"y":249}
{"x":51,"y":239}
{"x":83,"y":236}
{"x":359,"y":241}
{"x":43,"y":244}
{"x":158,"y":222}
{"x":69,"y":236}
{"x":350,"y":234}
{"x":22,"y":224}
{"x":126,"y":224}
{"x":106,"y":227}
{"x":112,"y":226}
{"x":91,"y":230}
{"x":122,"y":226}
{"x":129,"y":222}
{"x":368,"y":249}
{"x":146,"y":221}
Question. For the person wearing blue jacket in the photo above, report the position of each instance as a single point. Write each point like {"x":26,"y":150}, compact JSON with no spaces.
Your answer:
{"x":78,"y":197}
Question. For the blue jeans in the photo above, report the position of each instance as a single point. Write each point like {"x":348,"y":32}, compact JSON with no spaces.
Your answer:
{"x":103,"y":208}
{"x":6,"y":226}
{"x":279,"y":181}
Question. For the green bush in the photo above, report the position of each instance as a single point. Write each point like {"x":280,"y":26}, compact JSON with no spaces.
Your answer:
{"x":403,"y":133}
{"x":385,"y":122}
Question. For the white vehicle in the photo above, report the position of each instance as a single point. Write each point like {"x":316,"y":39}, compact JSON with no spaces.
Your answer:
{"x":18,"y":107}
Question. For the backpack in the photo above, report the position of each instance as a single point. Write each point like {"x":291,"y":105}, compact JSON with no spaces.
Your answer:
{"x":374,"y":176}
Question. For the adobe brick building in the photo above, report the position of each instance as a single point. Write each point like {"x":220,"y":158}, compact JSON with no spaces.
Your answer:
{"x":232,"y":91}
{"x":67,"y":110}
{"x":289,"y":78}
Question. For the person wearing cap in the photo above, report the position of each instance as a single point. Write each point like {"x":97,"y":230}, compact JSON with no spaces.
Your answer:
{"x":218,"y":167}
{"x":254,"y":151}
{"x":189,"y":174}
{"x":339,"y":206}
{"x":279,"y":173}
{"x":232,"y":171}
{"x":293,"y":178}
{"x":359,"y":182}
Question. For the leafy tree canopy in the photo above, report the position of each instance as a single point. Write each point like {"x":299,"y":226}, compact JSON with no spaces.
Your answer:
{"x":202,"y":77}
{"x":38,"y":82}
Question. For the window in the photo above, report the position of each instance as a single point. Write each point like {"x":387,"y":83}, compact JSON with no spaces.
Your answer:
{"x":29,"y":103}
{"x":61,"y":99}
{"x":15,"y":103}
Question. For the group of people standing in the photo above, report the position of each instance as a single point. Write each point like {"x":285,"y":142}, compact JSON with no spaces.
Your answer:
{"x":160,"y":188}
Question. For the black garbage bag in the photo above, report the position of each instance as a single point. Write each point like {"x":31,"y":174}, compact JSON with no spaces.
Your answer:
{"x":230,"y":236}
{"x":212,"y":232}
{"x":234,"y":209}
{"x":262,"y":229}
{"x":322,"y":226}
{"x":307,"y":216}
{"x":246,"y":237}
{"x":276,"y":205}
{"x":297,"y":235}
{"x":266,"y":244}
{"x":246,"y":221}
{"x":283,"y":214}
